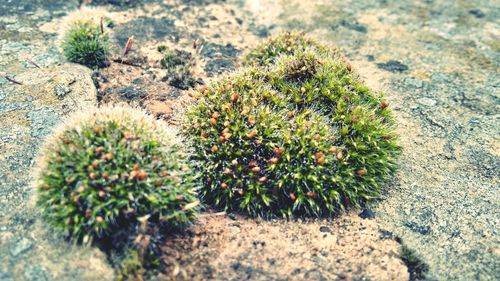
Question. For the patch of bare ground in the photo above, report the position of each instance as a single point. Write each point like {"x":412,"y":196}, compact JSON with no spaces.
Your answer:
{"x":222,"y":247}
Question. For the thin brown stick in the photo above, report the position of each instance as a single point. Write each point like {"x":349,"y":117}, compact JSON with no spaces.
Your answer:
{"x":34,"y":63}
{"x":128,"y":46}
{"x":121,"y":61}
{"x":12,"y":80}
{"x":102,"y":25}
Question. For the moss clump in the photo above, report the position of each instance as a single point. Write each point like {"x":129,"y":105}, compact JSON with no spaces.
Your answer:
{"x":178,"y":65}
{"x":104,"y":171}
{"x":84,"y":43}
{"x":417,"y":268}
{"x":303,"y":136}
{"x":287,"y":43}
{"x":174,"y":59}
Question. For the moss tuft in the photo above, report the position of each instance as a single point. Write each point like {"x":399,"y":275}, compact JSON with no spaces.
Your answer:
{"x":178,"y":65}
{"x":287,"y":43}
{"x":416,"y":267}
{"x":84,"y":43}
{"x":106,"y":170}
{"x":301,"y":136}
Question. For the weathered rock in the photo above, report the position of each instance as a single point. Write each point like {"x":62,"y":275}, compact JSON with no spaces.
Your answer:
{"x":28,"y":112}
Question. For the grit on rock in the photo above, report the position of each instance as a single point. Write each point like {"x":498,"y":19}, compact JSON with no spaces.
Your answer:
{"x":437,"y":61}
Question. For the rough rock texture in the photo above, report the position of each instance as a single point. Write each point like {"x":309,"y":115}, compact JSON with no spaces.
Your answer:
{"x":231,"y":247}
{"x":437,"y":60}
{"x":29,"y":251}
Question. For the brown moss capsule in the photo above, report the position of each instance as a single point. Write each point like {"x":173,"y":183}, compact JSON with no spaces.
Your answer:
{"x":339,"y":155}
{"x":99,"y":150}
{"x":292,"y":196}
{"x":332,"y":149}
{"x":354,"y":118}
{"x":227,"y":171}
{"x":319,"y":157}
{"x":311,"y":194}
{"x":97,"y":130}
{"x":279,"y":151}
{"x":234,"y":162}
{"x":99,"y":219}
{"x":290,"y":114}
{"x":251,"y":121}
{"x":262,"y":179}
{"x":136,"y":167}
{"x":235,"y":97}
{"x":361,"y":172}
{"x":215,"y":115}
{"x":214,"y":149}
{"x":257,"y":142}
{"x":45,"y":186}
{"x":209,"y":180}
{"x":254,"y":102}
{"x":349,"y":67}
{"x":108,"y":157}
{"x":213,"y":121}
{"x":317,"y":137}
{"x":88,"y":213}
{"x":102,"y":194}
{"x":223,"y":186}
{"x":222,"y":139}
{"x":255,"y":169}
{"x":134,"y":174}
{"x":92,"y":176}
{"x":273,"y":160}
{"x":203,"y":135}
{"x":252,"y":134}
{"x":252,"y":163}
{"x":384,"y":104}
{"x":142,"y":175}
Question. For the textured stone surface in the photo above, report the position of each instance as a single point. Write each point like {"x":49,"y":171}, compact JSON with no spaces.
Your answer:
{"x":28,"y":112}
{"x":437,"y":60}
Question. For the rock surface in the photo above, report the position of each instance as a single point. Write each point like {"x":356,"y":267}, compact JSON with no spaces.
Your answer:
{"x":28,"y":112}
{"x":437,"y":60}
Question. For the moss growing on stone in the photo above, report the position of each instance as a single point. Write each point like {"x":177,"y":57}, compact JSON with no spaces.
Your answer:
{"x":106,"y":170}
{"x":302,"y":136}
{"x":178,"y":65}
{"x":85,"y":43}
{"x":287,"y":43}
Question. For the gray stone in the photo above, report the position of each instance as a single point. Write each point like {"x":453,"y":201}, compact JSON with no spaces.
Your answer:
{"x":427,"y":102}
{"x":60,"y":90}
{"x":35,"y":273}
{"x":6,"y":276}
{"x":22,"y":246}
